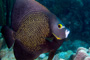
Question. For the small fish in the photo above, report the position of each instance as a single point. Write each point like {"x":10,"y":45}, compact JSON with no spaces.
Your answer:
{"x":34,"y":30}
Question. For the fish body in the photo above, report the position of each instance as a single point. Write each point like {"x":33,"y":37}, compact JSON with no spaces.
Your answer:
{"x":34,"y":30}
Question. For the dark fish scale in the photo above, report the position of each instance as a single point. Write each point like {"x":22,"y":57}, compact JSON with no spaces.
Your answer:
{"x":33,"y":30}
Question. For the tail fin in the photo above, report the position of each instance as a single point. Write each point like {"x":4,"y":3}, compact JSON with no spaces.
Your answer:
{"x":8,"y":35}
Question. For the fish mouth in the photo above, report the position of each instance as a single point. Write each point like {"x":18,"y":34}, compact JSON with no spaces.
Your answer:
{"x":67,"y":31}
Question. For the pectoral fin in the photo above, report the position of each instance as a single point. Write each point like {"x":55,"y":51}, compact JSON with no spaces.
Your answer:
{"x":50,"y":39}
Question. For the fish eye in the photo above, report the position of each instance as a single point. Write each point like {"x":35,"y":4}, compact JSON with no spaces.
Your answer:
{"x":59,"y":26}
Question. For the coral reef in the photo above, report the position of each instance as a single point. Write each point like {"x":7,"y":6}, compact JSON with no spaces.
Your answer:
{"x":82,"y":54}
{"x":7,"y":54}
{"x":63,"y":55}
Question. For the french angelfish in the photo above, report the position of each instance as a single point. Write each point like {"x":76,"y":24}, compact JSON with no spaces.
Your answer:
{"x":34,"y":30}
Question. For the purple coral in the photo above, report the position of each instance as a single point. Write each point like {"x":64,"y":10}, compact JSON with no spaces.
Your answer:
{"x":82,"y":54}
{"x":87,"y":58}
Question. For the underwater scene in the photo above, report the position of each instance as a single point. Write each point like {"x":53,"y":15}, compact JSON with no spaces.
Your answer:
{"x":44,"y":29}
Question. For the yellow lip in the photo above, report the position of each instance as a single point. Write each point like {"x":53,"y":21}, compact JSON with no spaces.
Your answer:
{"x":57,"y":37}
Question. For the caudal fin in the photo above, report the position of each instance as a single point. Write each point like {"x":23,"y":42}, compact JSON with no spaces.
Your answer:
{"x":8,"y":35}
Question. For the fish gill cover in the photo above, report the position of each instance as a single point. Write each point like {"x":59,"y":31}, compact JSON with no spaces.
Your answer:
{"x":75,"y":14}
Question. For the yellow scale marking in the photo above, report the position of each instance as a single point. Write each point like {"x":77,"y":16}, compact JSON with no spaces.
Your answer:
{"x":33,"y":27}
